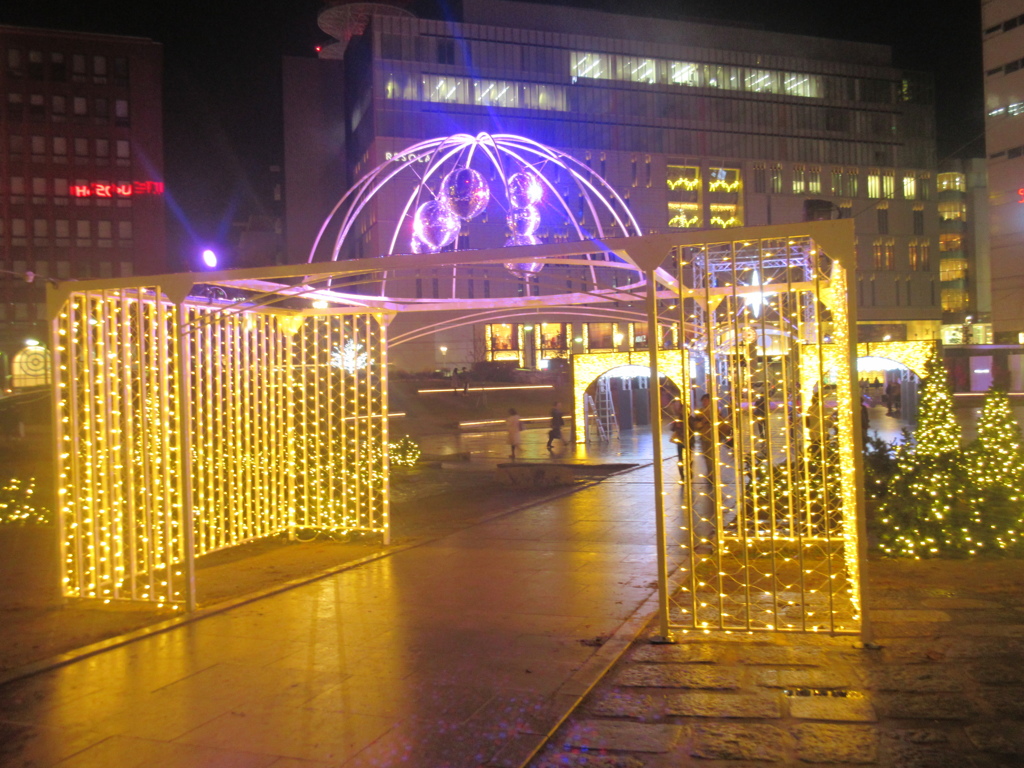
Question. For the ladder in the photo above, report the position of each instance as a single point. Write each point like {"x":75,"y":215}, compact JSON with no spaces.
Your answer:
{"x":602,"y":413}
{"x":592,"y":420}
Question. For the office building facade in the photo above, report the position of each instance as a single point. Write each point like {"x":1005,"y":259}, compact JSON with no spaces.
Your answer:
{"x":81,"y":173}
{"x":1003,"y":60}
{"x":696,"y":125}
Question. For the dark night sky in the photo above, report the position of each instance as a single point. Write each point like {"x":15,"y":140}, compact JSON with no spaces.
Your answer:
{"x":222,"y":81}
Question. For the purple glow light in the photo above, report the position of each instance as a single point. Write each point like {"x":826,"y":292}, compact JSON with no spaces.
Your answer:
{"x":435,"y":225}
{"x":465,"y":192}
{"x":209,"y":258}
{"x":523,"y":269}
{"x":524,"y":221}
{"x":524,"y":189}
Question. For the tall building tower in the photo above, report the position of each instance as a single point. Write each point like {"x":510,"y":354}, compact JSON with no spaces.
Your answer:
{"x":81,"y":172}
{"x":698,"y":126}
{"x":1003,"y":56}
{"x":964,"y":252}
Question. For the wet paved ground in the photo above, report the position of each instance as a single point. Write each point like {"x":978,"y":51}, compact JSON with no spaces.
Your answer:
{"x":464,"y":651}
{"x":944,"y":688}
{"x":469,"y":650}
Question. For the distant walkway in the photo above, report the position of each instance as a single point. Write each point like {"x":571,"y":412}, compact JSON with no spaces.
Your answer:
{"x":465,"y":651}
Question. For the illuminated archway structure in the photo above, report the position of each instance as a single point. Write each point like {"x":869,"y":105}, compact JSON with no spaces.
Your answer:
{"x":188,"y":423}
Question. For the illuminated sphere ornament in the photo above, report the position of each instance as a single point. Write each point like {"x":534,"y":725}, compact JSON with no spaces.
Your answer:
{"x":523,"y":269}
{"x":435,"y":225}
{"x":418,"y":246}
{"x":524,"y":189}
{"x":523,"y":221}
{"x":465,"y":192}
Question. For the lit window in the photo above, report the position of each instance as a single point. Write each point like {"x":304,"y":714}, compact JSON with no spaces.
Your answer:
{"x":952,"y":181}
{"x":952,"y":210}
{"x":725,"y":215}
{"x":814,"y":181}
{"x":724,"y":180}
{"x":950,"y":241}
{"x":874,"y":185}
{"x":888,"y":185}
{"x":683,"y":177}
{"x":683,"y":215}
{"x":592,"y":65}
{"x":910,"y":187}
{"x":798,"y":180}
{"x":496,"y":93}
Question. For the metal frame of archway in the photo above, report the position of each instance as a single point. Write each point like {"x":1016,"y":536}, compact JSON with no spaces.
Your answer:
{"x":281,"y":297}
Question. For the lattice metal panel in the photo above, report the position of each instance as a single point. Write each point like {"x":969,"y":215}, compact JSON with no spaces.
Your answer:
{"x":768,"y":521}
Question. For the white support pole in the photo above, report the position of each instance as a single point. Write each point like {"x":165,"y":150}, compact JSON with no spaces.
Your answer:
{"x":654,"y":389}
{"x":185,"y":441}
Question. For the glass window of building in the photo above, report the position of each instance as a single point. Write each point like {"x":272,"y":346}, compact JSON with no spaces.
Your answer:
{"x":888,"y":185}
{"x":918,"y":220}
{"x":776,"y":179}
{"x":58,"y":67}
{"x":684,"y":215}
{"x":124,"y":230}
{"x":798,"y":180}
{"x":952,"y":210}
{"x":760,"y":178}
{"x":121,"y":115}
{"x":62,"y":230}
{"x":952,"y":181}
{"x":725,"y":215}
{"x":814,"y":181}
{"x":40,"y":229}
{"x":724,"y":180}
{"x":59,"y":106}
{"x":496,"y":93}
{"x":553,"y":336}
{"x":35,"y":65}
{"x":950,"y":241}
{"x":883,"y":220}
{"x":503,"y":336}
{"x":638,"y":70}
{"x":592,"y":65}
{"x":77,"y":67}
{"x":874,"y":185}
{"x":952,"y":269}
{"x":80,"y":106}
{"x":909,"y":187}
{"x":683,"y":177}
{"x":601,"y":335}
{"x":837,"y":181}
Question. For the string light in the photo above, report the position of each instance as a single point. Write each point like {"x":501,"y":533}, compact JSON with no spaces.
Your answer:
{"x":282,"y":436}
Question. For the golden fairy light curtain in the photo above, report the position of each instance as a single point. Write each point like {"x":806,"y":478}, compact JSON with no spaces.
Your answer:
{"x":187,"y":428}
{"x":767,"y":533}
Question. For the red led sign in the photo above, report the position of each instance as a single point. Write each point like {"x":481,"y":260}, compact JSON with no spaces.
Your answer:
{"x":1020,"y":195}
{"x":120,"y":189}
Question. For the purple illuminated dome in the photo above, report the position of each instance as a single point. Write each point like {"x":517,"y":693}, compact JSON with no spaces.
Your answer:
{"x":465,"y":192}
{"x":435,"y":225}
{"x":494,"y":188}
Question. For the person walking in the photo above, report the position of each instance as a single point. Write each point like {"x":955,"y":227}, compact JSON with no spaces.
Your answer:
{"x":465,"y":380}
{"x":555,"y":425}
{"x":514,"y":430}
{"x":702,"y":424}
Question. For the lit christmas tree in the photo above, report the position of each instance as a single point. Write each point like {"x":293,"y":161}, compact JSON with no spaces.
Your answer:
{"x":922,"y":515}
{"x":995,"y":463}
{"x":998,"y":452}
